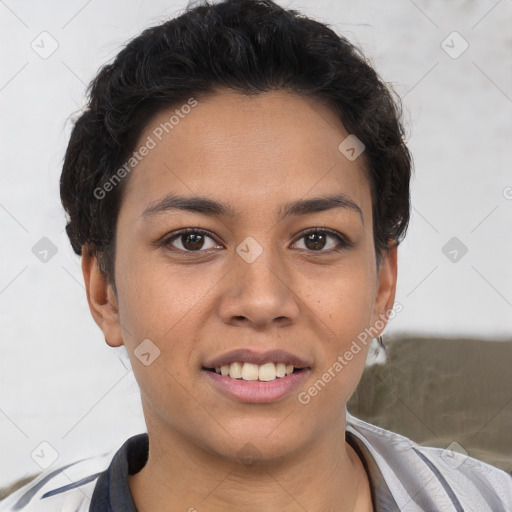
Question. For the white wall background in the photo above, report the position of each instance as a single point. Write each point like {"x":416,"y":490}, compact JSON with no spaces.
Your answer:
{"x":60,"y":382}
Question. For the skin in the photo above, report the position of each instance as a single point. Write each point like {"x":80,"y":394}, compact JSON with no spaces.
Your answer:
{"x":255,"y":153}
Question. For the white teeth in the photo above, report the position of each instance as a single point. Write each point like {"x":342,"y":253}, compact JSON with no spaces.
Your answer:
{"x":280,"y":370}
{"x":249,"y":371}
{"x":267,"y":372}
{"x":235,"y":370}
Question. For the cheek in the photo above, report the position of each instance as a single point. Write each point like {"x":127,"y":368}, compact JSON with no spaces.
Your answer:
{"x":159,"y":300}
{"x":157,"y":304}
{"x":344,"y":308}
{"x":344,"y":300}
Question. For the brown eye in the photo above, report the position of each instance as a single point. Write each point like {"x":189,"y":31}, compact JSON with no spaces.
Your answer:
{"x":190,"y":240}
{"x":195,"y":240}
{"x":316,"y":240}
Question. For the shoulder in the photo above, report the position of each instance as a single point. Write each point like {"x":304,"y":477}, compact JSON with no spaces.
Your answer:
{"x":68,"y":487}
{"x":443,"y":477}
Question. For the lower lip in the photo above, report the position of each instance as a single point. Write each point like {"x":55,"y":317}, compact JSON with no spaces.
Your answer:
{"x":255,"y":391}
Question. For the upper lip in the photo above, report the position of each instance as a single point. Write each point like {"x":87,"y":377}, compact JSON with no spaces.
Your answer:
{"x":251,"y":356}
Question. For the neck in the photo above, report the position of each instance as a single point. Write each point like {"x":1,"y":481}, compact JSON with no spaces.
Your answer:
{"x":327,"y":475}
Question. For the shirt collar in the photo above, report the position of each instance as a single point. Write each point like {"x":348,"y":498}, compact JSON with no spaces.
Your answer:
{"x":112,"y":492}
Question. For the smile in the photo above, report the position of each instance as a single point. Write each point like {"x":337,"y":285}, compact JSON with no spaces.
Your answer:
{"x":255,"y":390}
{"x":250,"y":371}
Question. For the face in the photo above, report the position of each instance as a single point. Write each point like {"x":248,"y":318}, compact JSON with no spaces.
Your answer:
{"x":257,"y":275}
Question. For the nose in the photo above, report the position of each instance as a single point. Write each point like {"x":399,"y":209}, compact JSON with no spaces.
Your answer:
{"x":259,"y":292}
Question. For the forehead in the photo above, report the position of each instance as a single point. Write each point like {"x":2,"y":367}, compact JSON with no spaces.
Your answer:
{"x":250,"y":151}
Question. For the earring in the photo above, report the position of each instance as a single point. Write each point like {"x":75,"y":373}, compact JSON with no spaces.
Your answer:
{"x":381,"y":342}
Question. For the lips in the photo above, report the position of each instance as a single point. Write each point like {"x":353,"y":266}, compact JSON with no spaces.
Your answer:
{"x":259,"y":358}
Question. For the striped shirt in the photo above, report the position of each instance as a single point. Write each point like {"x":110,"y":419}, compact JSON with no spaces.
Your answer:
{"x":403,"y":476}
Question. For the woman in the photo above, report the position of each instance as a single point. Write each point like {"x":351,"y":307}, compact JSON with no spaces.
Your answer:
{"x":237,"y":189}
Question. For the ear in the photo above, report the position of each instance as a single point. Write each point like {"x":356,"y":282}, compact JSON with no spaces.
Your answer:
{"x":101,"y":298}
{"x":386,"y":286}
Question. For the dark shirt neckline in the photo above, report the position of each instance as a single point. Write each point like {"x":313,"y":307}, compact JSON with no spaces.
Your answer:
{"x":112,"y":492}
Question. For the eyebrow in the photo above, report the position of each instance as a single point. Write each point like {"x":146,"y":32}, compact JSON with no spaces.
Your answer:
{"x":213,"y":208}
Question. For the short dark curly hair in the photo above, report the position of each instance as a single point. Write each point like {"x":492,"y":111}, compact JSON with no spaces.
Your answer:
{"x":251,"y":47}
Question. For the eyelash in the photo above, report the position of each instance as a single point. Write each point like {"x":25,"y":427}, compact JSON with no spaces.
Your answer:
{"x":343,"y":243}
